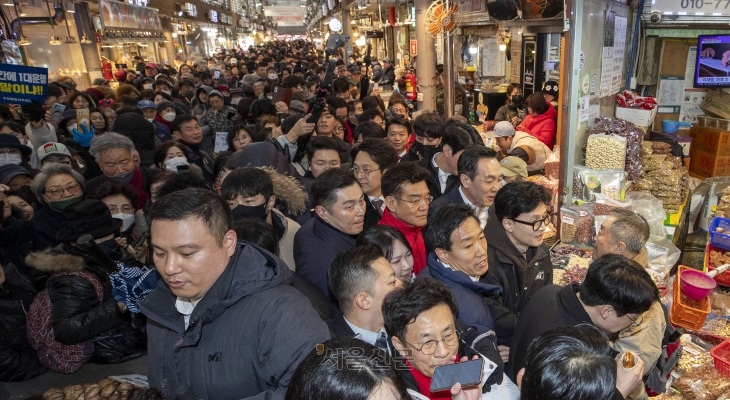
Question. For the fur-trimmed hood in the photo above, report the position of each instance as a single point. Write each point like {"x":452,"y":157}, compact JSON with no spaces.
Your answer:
{"x":286,"y":188}
{"x":55,"y":260}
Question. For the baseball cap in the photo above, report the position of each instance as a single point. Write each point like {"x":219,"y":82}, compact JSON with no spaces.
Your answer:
{"x":513,"y":166}
{"x":120,"y":75}
{"x":234,"y":61}
{"x":386,"y":59}
{"x":354,"y":69}
{"x":502,"y":129}
{"x":53,"y":149}
{"x":151,"y":65}
{"x":10,"y":171}
{"x":146,"y":104}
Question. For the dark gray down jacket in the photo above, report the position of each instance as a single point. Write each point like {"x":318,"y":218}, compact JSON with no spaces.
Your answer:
{"x":246,"y":336}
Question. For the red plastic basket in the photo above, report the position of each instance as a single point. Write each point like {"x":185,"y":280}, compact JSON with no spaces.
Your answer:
{"x":722,"y":364}
{"x":683,"y":314}
{"x":723,"y":278}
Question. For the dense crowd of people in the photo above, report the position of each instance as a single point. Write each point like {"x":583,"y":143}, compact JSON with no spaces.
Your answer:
{"x":346,"y":256}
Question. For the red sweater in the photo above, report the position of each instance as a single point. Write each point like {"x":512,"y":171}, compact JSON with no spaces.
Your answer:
{"x":542,"y":127}
{"x":413,"y":236}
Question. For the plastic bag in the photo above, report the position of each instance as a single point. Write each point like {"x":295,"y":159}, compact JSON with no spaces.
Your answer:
{"x":552,"y":165}
{"x":703,"y":383}
{"x":662,"y":255}
{"x":606,"y":152}
{"x":605,"y":204}
{"x":633,"y":135}
{"x":652,"y":210}
{"x":569,"y":224}
{"x":577,"y":224}
{"x":609,"y":182}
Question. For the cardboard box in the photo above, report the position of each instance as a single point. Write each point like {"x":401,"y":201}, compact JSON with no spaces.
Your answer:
{"x":717,"y":104}
{"x":637,"y":116}
{"x":711,"y":141}
{"x":708,"y":165}
{"x":687,"y":162}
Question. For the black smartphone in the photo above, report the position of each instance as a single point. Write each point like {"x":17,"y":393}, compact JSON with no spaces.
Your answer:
{"x":183,"y":168}
{"x":216,"y":75}
{"x":468,"y":373}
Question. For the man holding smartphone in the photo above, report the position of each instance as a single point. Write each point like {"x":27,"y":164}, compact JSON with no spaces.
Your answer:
{"x":421,"y":320}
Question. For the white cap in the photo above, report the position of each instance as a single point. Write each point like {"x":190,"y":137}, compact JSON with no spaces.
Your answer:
{"x":502,"y":129}
{"x":234,"y":61}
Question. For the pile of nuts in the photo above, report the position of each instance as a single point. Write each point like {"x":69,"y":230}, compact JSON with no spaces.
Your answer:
{"x":606,"y":152}
{"x":703,"y":383}
{"x":552,"y":169}
{"x":105,"y":389}
{"x":605,"y":209}
{"x":567,"y":232}
{"x":692,"y":357}
{"x":585,"y":231}
{"x":718,"y":327}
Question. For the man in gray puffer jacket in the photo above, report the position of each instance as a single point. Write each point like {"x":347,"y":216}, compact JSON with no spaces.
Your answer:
{"x":223,"y":319}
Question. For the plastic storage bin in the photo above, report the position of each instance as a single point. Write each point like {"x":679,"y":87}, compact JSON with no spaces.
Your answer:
{"x":717,"y":239}
{"x":683,"y":314}
{"x":722,"y":364}
{"x":723,"y":278}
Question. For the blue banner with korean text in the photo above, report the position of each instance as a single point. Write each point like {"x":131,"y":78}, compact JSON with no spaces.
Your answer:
{"x":20,"y":84}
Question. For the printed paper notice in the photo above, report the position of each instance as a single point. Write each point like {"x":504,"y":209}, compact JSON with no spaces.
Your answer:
{"x":221,"y":142}
{"x":619,"y":46}
{"x":584,"y":108}
{"x":692,"y":98}
{"x":493,"y":60}
{"x":594,"y":111}
{"x":670,"y":92}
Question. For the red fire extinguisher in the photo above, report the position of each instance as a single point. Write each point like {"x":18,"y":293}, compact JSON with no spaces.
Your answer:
{"x":411,"y":86}
{"x":106,"y":68}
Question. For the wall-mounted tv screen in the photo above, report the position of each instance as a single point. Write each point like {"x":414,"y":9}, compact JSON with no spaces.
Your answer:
{"x":712,"y":69}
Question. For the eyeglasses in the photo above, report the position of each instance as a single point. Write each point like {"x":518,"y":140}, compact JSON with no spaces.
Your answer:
{"x":356,"y":171}
{"x":71,"y":189}
{"x":430,"y":347}
{"x":339,"y":129}
{"x":536,"y":224}
{"x":635,"y":322}
{"x":426,"y":200}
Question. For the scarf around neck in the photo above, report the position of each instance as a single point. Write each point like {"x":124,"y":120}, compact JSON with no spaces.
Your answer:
{"x":413,"y":236}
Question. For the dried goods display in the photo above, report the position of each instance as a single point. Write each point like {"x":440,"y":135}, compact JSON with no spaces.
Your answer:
{"x":104,"y":389}
{"x":703,"y":383}
{"x":663,"y":175}
{"x":552,"y":165}
{"x":609,"y":182}
{"x":723,"y":203}
{"x":718,"y":258}
{"x":718,"y":327}
{"x":606,"y":152}
{"x":692,"y":357}
{"x":574,"y":271}
{"x":633,"y":136}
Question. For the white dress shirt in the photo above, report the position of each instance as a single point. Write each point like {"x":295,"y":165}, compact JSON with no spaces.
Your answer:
{"x":482,"y":214}
{"x":443,"y":176}
{"x":367,"y":336}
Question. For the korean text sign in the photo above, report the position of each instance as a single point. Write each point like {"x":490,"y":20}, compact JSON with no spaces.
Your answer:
{"x":20,"y":84}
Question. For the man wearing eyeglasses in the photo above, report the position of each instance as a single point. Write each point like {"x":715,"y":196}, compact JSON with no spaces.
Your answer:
{"x":406,"y":200}
{"x":519,"y":262}
{"x":420,"y":320}
{"x":613,"y":296}
{"x":626,"y":233}
{"x":371,"y":159}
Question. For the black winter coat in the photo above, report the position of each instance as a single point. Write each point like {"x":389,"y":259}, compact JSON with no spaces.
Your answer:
{"x":45,"y":224}
{"x":78,"y":316}
{"x":18,"y":360}
{"x":434,"y":185}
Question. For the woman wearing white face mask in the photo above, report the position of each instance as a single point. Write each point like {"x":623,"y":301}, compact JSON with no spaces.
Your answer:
{"x":120,"y":198}
{"x":166,"y":113}
{"x":12,"y":145}
{"x":170,"y":155}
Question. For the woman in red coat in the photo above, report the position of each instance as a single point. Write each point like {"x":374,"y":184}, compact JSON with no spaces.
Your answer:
{"x":540,"y":121}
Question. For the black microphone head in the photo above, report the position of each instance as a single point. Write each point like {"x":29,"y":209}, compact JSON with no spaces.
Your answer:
{"x":85,"y":240}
